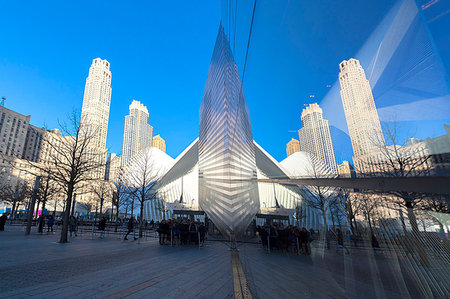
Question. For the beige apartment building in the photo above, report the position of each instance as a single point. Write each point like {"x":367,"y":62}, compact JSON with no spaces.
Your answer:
{"x":159,"y":143}
{"x":292,"y":146}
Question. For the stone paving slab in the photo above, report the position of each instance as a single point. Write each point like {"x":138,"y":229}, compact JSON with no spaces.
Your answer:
{"x":108,"y":268}
{"x":39,"y":267}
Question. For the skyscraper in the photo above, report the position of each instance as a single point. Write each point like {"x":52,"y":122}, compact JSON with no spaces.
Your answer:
{"x":97,"y":99}
{"x":137,"y":133}
{"x":13,"y":132}
{"x":226,"y":153}
{"x":359,"y":107}
{"x":159,"y":143}
{"x":315,"y":136}
{"x":292,"y":146}
{"x":112,"y":168}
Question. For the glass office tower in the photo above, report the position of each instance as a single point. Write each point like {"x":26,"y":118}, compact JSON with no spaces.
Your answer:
{"x":226,"y":149}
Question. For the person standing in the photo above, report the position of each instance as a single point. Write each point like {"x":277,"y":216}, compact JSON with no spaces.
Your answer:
{"x":3,"y":221}
{"x":130,"y":227}
{"x":50,"y":223}
{"x":202,"y":231}
{"x":102,"y":226}
{"x":73,"y":225}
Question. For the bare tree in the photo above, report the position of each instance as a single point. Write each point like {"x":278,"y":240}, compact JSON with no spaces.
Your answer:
{"x":102,"y":190}
{"x":140,"y":179}
{"x":395,"y":158}
{"x":435,"y":205}
{"x":20,"y":194}
{"x":72,"y":159}
{"x":120,"y":196}
{"x":352,"y":207}
{"x":48,"y":190}
{"x":320,"y":198}
{"x":367,"y":206}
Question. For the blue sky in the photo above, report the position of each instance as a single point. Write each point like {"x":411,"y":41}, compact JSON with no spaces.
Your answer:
{"x":160,"y":52}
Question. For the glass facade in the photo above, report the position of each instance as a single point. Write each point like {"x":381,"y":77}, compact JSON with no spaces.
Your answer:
{"x":226,"y":149}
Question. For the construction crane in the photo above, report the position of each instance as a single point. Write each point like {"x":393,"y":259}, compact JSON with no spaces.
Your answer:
{"x":2,"y":103}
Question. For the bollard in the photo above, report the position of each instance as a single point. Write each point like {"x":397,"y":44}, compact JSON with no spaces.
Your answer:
{"x":198,"y":240}
{"x":268,"y":244}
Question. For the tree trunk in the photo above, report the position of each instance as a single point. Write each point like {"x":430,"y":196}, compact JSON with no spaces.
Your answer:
{"x":41,"y":223}
{"x":332,"y":217}
{"x":54,"y":210}
{"x":370,"y":225}
{"x":101,"y":207}
{"x":417,"y":240}
{"x":402,"y":219}
{"x":132,"y":208}
{"x":37,"y":209}
{"x":16,"y":197}
{"x":141,"y":213}
{"x":95,"y":215}
{"x":117,"y":217}
{"x":66,"y":214}
{"x":350,"y":217}
{"x":325,"y":230}
{"x":43,"y":205}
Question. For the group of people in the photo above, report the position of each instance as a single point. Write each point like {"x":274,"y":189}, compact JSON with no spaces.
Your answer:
{"x":49,"y":220}
{"x":183,"y":231}
{"x":286,"y":238}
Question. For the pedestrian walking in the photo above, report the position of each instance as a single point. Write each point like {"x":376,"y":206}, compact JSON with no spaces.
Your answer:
{"x":375,"y":244}
{"x":102,"y":226}
{"x":3,"y":221}
{"x":73,"y":226}
{"x":50,"y":223}
{"x":130,"y":226}
{"x":202,"y":231}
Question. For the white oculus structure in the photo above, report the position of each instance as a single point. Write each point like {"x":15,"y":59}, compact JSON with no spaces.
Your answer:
{"x":215,"y":171}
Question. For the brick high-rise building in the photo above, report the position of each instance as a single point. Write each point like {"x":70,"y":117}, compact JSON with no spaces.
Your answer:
{"x":159,"y":143}
{"x":292,"y":146}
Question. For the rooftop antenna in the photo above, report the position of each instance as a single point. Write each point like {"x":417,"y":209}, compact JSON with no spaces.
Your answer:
{"x":2,"y":103}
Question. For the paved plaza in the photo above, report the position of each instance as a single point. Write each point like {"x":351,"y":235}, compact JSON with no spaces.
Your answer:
{"x":38,"y":266}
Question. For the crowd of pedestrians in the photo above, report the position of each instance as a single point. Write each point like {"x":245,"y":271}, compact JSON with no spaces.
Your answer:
{"x":181,"y":231}
{"x":286,"y":238}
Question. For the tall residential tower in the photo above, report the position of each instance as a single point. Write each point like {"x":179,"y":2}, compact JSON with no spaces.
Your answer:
{"x":315,"y":136}
{"x":97,"y":99}
{"x":137,"y":133}
{"x":359,"y":107}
